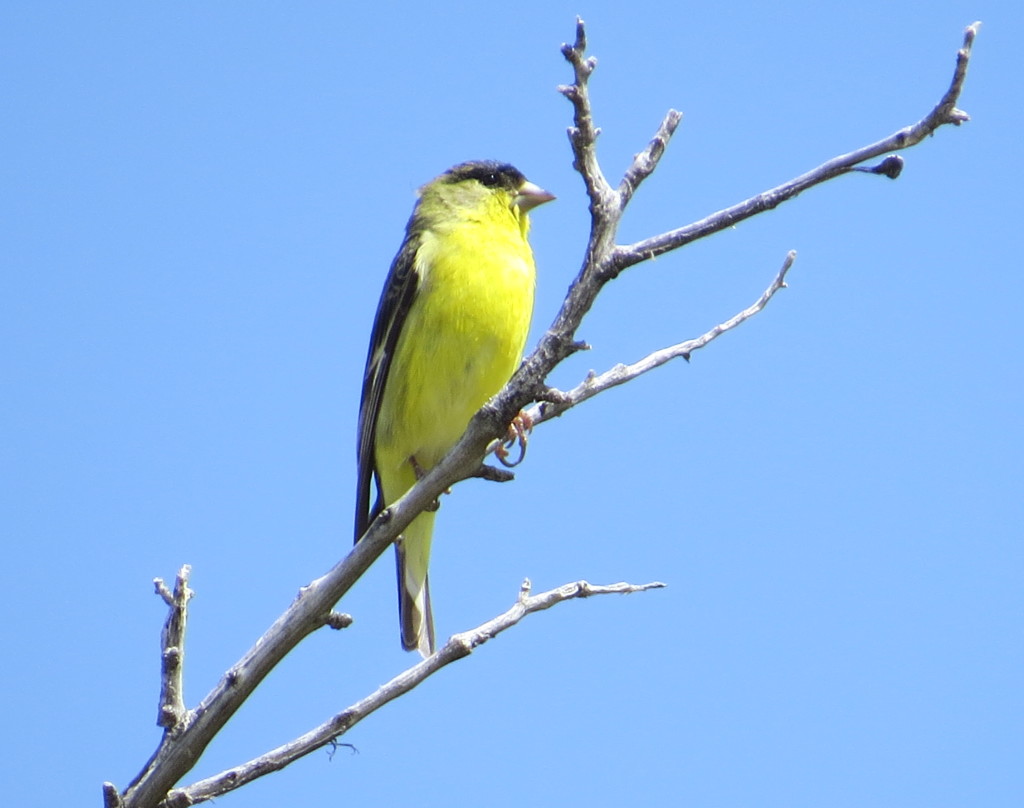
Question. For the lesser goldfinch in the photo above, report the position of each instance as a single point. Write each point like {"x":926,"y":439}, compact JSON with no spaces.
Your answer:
{"x":449,"y":332}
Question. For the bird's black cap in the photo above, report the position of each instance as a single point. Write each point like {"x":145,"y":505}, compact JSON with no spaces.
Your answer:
{"x":489,"y":173}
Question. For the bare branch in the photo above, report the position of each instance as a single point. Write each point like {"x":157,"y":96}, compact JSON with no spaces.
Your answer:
{"x":604,"y":260}
{"x":583,"y":136}
{"x":647,"y":160}
{"x":560,"y":401}
{"x":181,"y":748}
{"x":945,"y":112}
{"x":172,"y":644}
{"x":312,"y":609}
{"x":457,"y":647}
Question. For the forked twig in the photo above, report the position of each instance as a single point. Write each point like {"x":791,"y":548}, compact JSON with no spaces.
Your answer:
{"x":457,"y":647}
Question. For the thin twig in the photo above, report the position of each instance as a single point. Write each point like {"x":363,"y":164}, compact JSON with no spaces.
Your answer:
{"x":458,"y":647}
{"x":945,"y":112}
{"x":646,"y":161}
{"x":583,"y":136}
{"x":172,"y":649}
{"x":558,"y":401}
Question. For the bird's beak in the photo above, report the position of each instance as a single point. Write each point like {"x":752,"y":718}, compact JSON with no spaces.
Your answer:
{"x":530,"y":196}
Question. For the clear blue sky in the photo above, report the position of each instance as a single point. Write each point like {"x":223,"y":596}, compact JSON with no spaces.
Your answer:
{"x":198,"y":206}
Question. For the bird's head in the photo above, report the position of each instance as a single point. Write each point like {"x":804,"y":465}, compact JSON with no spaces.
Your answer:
{"x":483,"y":185}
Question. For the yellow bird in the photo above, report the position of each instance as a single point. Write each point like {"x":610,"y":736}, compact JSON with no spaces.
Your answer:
{"x":449,"y":332}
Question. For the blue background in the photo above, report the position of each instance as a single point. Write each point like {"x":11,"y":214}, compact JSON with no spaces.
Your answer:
{"x":198,"y":206}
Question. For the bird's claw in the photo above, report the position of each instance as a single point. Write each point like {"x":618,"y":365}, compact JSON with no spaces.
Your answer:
{"x":518,"y":432}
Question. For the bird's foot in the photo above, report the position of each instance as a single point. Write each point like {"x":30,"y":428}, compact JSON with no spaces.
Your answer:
{"x":518,"y":432}
{"x":420,"y":473}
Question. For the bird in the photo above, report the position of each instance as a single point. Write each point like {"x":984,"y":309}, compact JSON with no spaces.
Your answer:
{"x":449,"y":332}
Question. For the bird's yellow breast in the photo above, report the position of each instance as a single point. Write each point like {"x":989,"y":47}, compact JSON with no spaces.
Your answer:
{"x":462,"y":341}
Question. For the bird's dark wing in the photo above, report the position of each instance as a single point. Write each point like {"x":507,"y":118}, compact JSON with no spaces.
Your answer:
{"x":395,"y":302}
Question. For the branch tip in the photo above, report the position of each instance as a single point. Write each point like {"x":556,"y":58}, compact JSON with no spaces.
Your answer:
{"x":970,"y":32}
{"x":171,"y":710}
{"x":581,"y":34}
{"x":492,"y":473}
{"x":161,"y":589}
{"x":111,"y":796}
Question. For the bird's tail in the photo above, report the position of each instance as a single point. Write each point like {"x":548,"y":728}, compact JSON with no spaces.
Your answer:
{"x":412,"y":552}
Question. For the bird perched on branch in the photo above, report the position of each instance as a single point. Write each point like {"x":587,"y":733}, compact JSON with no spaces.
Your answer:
{"x":449,"y":332}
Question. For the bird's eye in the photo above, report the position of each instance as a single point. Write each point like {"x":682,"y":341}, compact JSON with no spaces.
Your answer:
{"x":490,"y":180}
